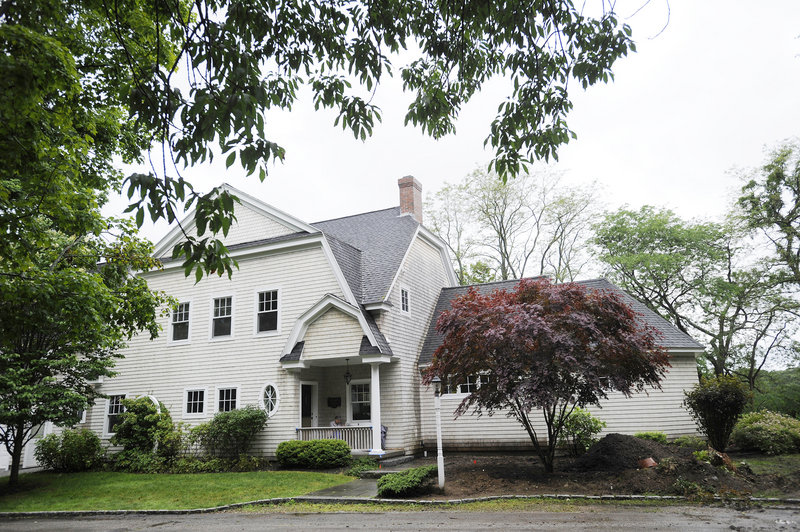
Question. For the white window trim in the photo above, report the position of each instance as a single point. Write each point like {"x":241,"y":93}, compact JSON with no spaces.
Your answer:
{"x":187,"y":415}
{"x":83,"y":415}
{"x":188,"y":340}
{"x":360,"y":422}
{"x":227,"y":387}
{"x":408,"y":291}
{"x":277,"y":330}
{"x":211,"y":336}
{"x":459,"y":394}
{"x":277,"y":396}
{"x":106,"y":404}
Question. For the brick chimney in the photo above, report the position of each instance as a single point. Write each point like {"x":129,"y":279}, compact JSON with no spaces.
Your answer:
{"x":410,"y":197}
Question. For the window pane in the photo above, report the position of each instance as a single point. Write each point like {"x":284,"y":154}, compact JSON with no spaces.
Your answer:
{"x":268,"y":311}
{"x":360,"y":402}
{"x":195,"y":400}
{"x":267,"y":321}
{"x":222,"y":326}
{"x":270,"y":399}
{"x":180,"y":322}
{"x":180,"y":331}
{"x":115,"y":409}
{"x":227,"y":400}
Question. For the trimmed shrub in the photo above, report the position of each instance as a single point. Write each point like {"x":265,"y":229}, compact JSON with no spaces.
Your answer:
{"x":70,"y":452}
{"x":659,"y":437}
{"x":692,"y":442}
{"x":767,"y":432}
{"x":716,"y":405}
{"x":313,"y":454}
{"x":144,"y":430}
{"x":364,"y":463}
{"x":136,"y":461}
{"x":230,"y":434}
{"x":406,"y":483}
{"x":580,"y":431}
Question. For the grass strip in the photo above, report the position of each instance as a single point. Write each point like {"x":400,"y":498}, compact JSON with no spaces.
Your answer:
{"x":128,"y":491}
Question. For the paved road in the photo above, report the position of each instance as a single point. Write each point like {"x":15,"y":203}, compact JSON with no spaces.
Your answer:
{"x":589,"y":518}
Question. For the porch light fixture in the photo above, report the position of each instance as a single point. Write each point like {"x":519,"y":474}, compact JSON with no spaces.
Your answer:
{"x":347,"y":375}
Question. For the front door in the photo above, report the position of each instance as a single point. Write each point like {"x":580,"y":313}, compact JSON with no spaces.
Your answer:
{"x":308,"y":404}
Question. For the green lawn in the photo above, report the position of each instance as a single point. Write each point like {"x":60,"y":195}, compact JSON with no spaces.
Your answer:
{"x":126,"y":491}
{"x":767,"y":465}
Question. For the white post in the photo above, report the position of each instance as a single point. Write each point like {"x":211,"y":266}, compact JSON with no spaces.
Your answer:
{"x":437,"y":402}
{"x":375,"y":408}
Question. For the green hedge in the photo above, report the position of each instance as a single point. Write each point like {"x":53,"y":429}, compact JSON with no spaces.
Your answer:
{"x":660,"y":437}
{"x":313,"y":454}
{"x":406,"y":483}
{"x":768,"y":432}
{"x":230,"y":434}
{"x":70,"y":452}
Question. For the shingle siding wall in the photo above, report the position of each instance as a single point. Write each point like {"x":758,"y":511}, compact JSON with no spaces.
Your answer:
{"x":332,"y":335}
{"x":248,"y":361}
{"x":248,"y":227}
{"x":658,"y":410}
{"x":424,"y":274}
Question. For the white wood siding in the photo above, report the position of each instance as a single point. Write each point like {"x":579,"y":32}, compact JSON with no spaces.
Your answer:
{"x":247,"y":360}
{"x":657,"y":410}
{"x":332,"y":335}
{"x":249,"y":226}
{"x":424,"y":274}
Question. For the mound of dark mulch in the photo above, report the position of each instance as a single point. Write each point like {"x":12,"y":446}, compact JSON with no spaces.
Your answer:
{"x":617,"y":452}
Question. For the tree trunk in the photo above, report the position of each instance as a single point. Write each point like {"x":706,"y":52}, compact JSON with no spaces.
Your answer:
{"x":16,"y":456}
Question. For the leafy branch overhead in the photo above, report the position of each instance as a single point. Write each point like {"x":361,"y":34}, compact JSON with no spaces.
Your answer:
{"x":199,"y":78}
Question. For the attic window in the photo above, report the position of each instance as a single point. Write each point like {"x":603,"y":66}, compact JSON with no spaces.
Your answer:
{"x":404,"y":299}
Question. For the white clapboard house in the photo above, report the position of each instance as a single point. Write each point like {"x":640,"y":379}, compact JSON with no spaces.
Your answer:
{"x":337,"y":318}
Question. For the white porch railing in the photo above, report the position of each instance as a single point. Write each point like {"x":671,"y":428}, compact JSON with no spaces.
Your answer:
{"x":358,"y":438}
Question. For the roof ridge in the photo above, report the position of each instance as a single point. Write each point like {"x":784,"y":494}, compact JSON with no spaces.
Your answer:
{"x":355,"y":215}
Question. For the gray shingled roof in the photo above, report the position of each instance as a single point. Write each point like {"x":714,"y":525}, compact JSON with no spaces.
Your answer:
{"x":381,"y":237}
{"x":672,"y":338}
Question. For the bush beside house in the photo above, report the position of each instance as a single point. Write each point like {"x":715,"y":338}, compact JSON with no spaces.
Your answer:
{"x":313,"y":454}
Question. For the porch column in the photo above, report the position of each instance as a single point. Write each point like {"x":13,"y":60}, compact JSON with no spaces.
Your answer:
{"x":375,"y":407}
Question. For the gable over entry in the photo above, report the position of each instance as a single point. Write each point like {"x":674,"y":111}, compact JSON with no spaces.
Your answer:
{"x":333,"y":333}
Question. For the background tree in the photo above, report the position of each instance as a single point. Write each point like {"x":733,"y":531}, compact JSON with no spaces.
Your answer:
{"x":531,"y":225}
{"x":545,"y":348}
{"x":702,"y":277}
{"x":770,"y":202}
{"x":199,"y":78}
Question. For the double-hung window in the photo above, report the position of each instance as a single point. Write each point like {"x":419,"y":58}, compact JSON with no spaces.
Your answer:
{"x":226,"y":399}
{"x":267,"y":319}
{"x":114,"y":414}
{"x":180,"y":323}
{"x":195,"y":402}
{"x":360,"y":402}
{"x":405,"y":303}
{"x":223,"y":315}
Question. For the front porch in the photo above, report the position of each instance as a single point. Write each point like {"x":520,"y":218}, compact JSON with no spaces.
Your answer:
{"x":349,"y":392}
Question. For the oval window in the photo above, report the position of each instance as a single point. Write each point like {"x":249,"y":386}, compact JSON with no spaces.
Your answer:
{"x":270,"y":399}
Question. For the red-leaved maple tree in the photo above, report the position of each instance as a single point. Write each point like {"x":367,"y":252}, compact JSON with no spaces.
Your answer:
{"x":545,"y":349}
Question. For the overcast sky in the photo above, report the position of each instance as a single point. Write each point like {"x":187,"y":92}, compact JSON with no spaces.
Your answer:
{"x":708,"y":94}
